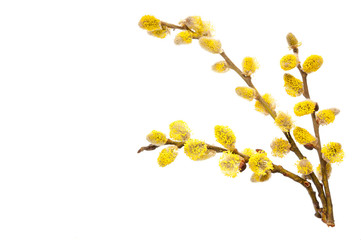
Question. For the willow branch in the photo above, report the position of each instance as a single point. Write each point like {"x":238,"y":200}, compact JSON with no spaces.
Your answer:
{"x":273,"y":114}
{"x":276,"y":169}
{"x":330,"y":218}
{"x":304,"y":183}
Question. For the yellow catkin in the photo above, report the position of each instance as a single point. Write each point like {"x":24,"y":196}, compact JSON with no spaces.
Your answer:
{"x":249,"y":65}
{"x":195,"y":149}
{"x":284,"y":121}
{"x":156,"y":138}
{"x":246,"y":93}
{"x":302,"y":136}
{"x":210,"y":44}
{"x":167,"y":156}
{"x":292,"y":41}
{"x":288,"y":62}
{"x":161,"y":33}
{"x":179,"y":131}
{"x":150,"y":23}
{"x":200,"y":28}
{"x":280,"y":147}
{"x":225,"y":136}
{"x":259,"y":163}
{"x":229,"y":164}
{"x":328,"y":171}
{"x":261,"y":178}
{"x":326,"y":116}
{"x":304,"y":108}
{"x":220,"y":67}
{"x":312,"y":63}
{"x":293,"y":86}
{"x":248,"y":152}
{"x":269,"y":100}
{"x":304,"y":166}
{"x":333,"y":152}
{"x":183,"y":37}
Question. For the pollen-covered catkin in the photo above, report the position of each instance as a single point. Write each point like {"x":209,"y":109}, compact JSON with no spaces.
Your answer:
{"x":183,"y":37}
{"x":229,"y":164}
{"x":150,"y":23}
{"x":220,"y":67}
{"x":304,"y":108}
{"x":167,"y":155}
{"x":312,"y":63}
{"x":303,"y":137}
{"x":328,"y":171}
{"x":246,"y":93}
{"x":288,"y":62}
{"x":210,"y":44}
{"x":195,"y":149}
{"x":304,"y":166}
{"x":293,"y":86}
{"x":327,"y":116}
{"x":259,"y":163}
{"x":280,"y":147}
{"x":270,"y":102}
{"x":225,"y":136}
{"x":249,"y":65}
{"x":179,"y":131}
{"x":333,"y":152}
{"x":157,"y":138}
{"x":284,"y":121}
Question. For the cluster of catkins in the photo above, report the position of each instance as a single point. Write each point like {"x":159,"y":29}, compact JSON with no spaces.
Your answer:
{"x":231,"y":163}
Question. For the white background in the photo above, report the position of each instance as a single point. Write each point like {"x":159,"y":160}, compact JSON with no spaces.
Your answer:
{"x":81,"y":85}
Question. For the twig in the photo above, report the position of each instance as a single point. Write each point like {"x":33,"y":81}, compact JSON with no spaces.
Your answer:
{"x":330,"y":218}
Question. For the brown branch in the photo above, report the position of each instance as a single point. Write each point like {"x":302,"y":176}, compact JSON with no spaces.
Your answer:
{"x":273,"y":114}
{"x":276,"y":169}
{"x":304,"y":183}
{"x":329,"y":208}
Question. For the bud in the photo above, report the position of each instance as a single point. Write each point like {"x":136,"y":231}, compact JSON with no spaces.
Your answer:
{"x":312,"y":64}
{"x":292,"y":41}
{"x":288,"y":62}
{"x":210,"y":44}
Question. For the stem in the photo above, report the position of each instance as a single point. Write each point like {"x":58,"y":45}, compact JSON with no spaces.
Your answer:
{"x":330,"y":218}
{"x":273,"y":114}
{"x":303,"y":182}
{"x":276,"y":169}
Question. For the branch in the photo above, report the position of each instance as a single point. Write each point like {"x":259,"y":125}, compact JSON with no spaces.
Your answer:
{"x":330,"y":218}
{"x":273,"y":114}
